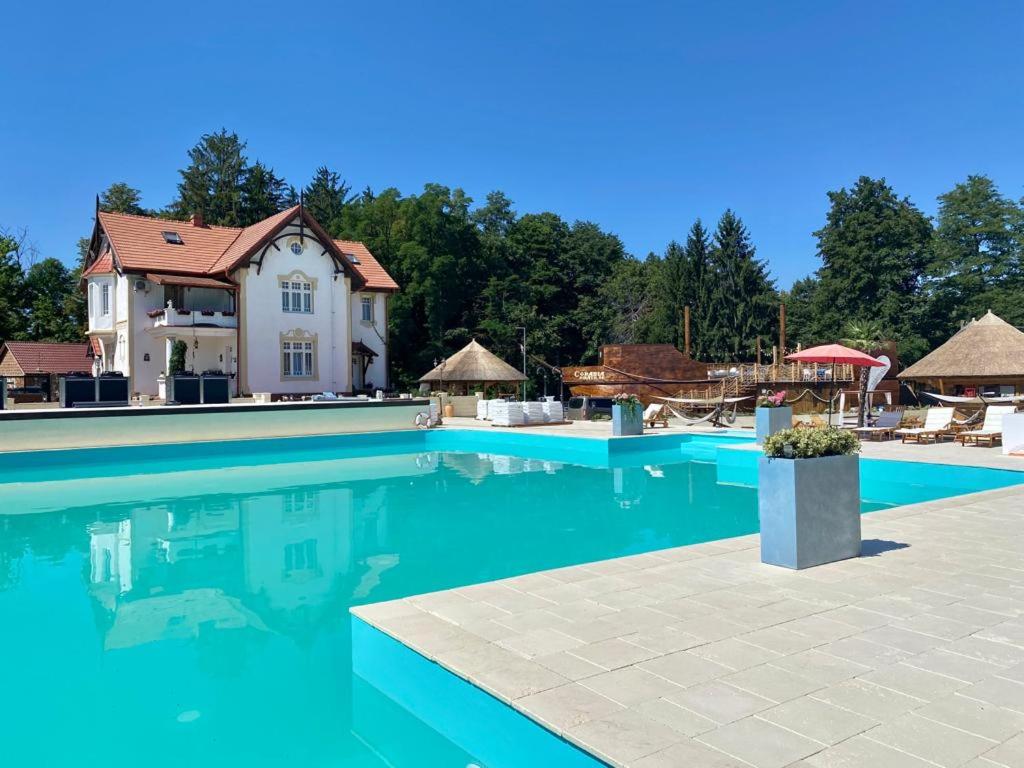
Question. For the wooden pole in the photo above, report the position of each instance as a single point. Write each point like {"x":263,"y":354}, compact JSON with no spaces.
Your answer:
{"x":782,"y":330}
{"x":686,"y":330}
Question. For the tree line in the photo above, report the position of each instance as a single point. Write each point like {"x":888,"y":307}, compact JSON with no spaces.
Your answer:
{"x":486,"y":270}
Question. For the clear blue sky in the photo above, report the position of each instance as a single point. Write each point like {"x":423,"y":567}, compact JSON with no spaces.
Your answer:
{"x":639,"y":117}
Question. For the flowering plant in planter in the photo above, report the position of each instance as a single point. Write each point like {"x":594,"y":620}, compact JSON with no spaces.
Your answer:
{"x":810,"y":443}
{"x":630,"y":403}
{"x":773,"y":400}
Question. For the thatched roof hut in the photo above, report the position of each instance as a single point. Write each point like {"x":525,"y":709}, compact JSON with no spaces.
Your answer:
{"x":987,"y":351}
{"x":473,"y":364}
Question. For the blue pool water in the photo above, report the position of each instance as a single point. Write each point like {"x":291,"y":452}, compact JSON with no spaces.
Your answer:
{"x":188,"y":605}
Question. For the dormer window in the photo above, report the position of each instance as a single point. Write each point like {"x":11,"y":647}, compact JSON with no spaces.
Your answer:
{"x":172,"y":238}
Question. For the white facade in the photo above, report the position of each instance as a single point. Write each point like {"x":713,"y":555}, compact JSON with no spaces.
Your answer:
{"x":288,"y":329}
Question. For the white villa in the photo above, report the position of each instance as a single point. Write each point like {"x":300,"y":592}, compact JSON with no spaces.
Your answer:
{"x":279,"y":306}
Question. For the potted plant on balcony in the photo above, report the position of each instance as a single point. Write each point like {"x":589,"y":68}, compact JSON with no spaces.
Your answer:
{"x":627,"y":415}
{"x":808,"y":497}
{"x":772,"y":414}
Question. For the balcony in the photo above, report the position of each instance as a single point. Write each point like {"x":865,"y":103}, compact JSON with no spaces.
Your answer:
{"x":171,"y":317}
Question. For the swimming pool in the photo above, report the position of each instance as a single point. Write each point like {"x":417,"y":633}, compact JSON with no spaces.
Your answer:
{"x":189,"y":604}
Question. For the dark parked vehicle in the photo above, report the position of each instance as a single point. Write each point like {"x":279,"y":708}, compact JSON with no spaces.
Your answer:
{"x":584,"y":408}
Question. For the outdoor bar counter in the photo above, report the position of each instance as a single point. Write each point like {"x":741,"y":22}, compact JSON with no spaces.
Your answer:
{"x":32,"y":430}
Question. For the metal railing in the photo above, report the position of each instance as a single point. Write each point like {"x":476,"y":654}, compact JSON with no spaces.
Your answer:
{"x":782,"y":373}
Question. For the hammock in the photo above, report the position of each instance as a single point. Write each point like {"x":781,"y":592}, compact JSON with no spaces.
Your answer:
{"x":715,"y":416}
{"x":979,"y":400}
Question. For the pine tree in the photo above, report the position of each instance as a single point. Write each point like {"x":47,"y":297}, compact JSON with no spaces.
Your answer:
{"x":12,"y":288}
{"x":741,"y":296}
{"x":121,"y":198}
{"x":698,"y":259}
{"x":325,"y":198}
{"x":212,"y":183}
{"x":262,"y":194}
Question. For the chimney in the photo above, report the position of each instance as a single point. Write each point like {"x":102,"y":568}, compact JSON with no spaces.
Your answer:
{"x":197,"y":219}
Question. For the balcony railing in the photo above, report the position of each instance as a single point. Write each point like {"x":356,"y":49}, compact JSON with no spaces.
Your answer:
{"x":170,"y":316}
{"x":785,"y":373}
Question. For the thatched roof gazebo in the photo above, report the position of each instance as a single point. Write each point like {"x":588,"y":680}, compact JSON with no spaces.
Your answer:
{"x":473,"y":364}
{"x":987,"y":352}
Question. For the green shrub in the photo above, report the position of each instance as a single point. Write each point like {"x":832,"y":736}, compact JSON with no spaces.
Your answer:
{"x":177,"y":361}
{"x":810,"y":443}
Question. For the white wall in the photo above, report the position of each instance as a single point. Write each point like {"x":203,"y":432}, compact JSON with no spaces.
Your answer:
{"x":145,"y":372}
{"x":264,"y":321}
{"x":97,"y":320}
{"x":373,"y":335}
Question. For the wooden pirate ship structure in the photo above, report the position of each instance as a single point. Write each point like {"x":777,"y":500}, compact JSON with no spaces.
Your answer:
{"x":655,"y":372}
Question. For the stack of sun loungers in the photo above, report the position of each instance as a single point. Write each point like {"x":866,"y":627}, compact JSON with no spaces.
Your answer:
{"x":505,"y":414}
{"x":534,"y":412}
{"x":482,"y":407}
{"x":553,"y":411}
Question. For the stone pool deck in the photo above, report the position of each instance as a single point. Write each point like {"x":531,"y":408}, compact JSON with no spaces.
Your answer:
{"x":911,"y":655}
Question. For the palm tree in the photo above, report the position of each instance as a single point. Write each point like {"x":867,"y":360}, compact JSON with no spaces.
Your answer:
{"x":865,"y":336}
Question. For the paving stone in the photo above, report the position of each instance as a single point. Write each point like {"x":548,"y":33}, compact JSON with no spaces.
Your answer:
{"x":954,"y":665}
{"x":987,"y":650}
{"x":779,"y":640}
{"x":630,"y":685}
{"x":817,"y":720}
{"x":937,"y":626}
{"x":684,"y":668}
{"x":689,"y":753}
{"x":719,"y":702}
{"x":913,"y":681}
{"x":998,"y":691}
{"x":614,"y":653}
{"x":977,"y":717}
{"x":735,"y":654}
{"x":680,"y":719}
{"x":861,"y":752}
{"x":1009,"y":754}
{"x":516,"y":679}
{"x":865,"y":652}
{"x":624,"y":736}
{"x":930,"y":740}
{"x":868,"y":699}
{"x":567,"y":706}
{"x":773,"y":683}
{"x":821,"y":667}
{"x":760,"y":743}
{"x":569,"y":666}
{"x":662,"y":640}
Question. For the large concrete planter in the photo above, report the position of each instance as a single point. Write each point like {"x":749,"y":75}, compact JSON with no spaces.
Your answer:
{"x":768,"y":421}
{"x":809,"y":510}
{"x":627,"y":421}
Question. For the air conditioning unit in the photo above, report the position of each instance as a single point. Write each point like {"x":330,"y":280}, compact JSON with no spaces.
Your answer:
{"x":140,"y":285}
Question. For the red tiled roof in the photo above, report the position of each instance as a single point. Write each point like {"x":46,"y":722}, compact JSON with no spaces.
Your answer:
{"x":139,"y":246}
{"x":102,"y":265}
{"x":377,"y":278}
{"x":139,"y":243}
{"x":249,"y":238}
{"x":44,"y":357}
{"x":94,"y":345}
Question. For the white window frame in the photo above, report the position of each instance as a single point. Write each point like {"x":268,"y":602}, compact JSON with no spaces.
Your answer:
{"x":297,"y":297}
{"x":366,"y":302}
{"x":105,"y":300}
{"x":298,"y":358}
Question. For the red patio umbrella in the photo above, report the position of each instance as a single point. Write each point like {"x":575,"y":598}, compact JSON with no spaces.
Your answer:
{"x":834,"y":353}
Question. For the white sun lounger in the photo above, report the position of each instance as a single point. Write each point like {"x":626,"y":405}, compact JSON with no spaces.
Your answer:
{"x":936,"y":422}
{"x":991,"y":429}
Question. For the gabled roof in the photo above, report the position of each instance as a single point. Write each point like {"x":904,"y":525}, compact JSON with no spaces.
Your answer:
{"x":138,"y":245}
{"x":987,"y":347}
{"x":377,"y":278}
{"x":46,"y":357}
{"x":103,"y":265}
{"x":250,"y":237}
{"x":474,"y":363}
